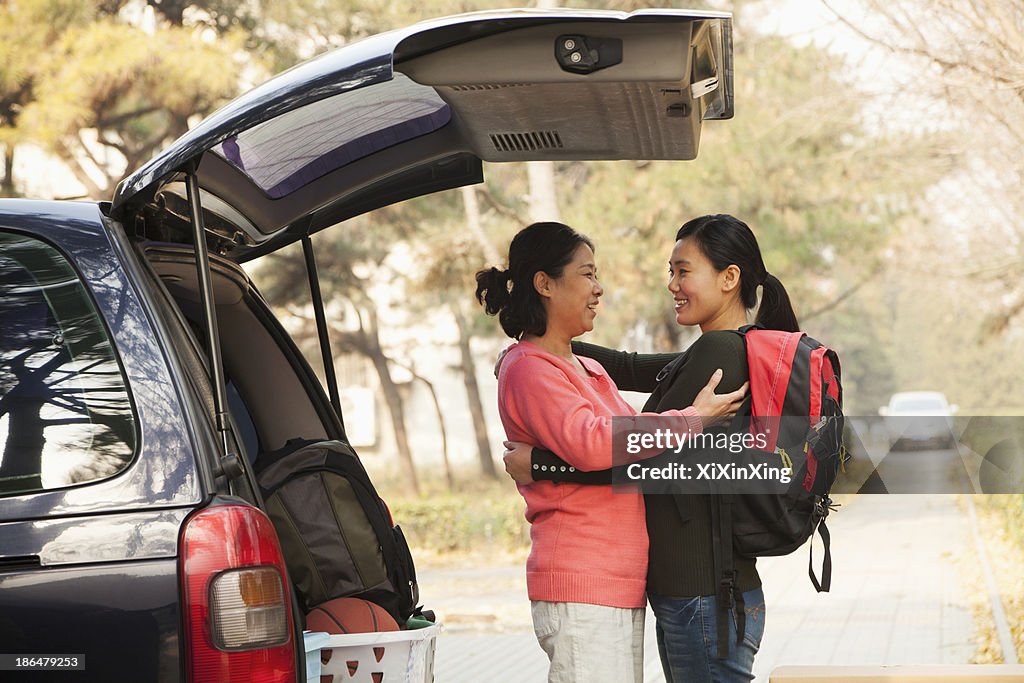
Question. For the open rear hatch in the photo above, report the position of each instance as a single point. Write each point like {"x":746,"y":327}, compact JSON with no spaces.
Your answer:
{"x":418,"y":110}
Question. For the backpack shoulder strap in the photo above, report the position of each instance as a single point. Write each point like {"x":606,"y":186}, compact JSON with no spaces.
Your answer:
{"x":728,"y":597}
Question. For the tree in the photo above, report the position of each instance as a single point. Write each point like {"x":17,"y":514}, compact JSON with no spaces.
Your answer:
{"x":102,"y":94}
{"x":25,"y":33}
{"x":967,"y":60}
{"x":135,"y":91}
{"x":289,"y":32}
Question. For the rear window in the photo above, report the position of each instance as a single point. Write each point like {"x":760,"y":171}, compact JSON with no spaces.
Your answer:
{"x":294,"y":149}
{"x":65,"y":414}
{"x":912,"y":403}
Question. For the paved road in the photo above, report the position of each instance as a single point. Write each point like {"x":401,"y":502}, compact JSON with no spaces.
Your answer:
{"x":897,"y":598}
{"x":924,"y":471}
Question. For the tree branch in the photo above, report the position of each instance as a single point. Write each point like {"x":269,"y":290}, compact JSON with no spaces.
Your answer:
{"x":502,"y":209}
{"x":843,"y":296}
{"x":115,"y":121}
{"x":68,"y":157}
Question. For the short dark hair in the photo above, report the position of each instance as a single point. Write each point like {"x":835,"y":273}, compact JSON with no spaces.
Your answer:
{"x":509,"y":294}
{"x":726,"y":241}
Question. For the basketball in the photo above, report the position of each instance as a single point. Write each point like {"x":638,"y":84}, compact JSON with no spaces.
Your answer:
{"x":350,"y":615}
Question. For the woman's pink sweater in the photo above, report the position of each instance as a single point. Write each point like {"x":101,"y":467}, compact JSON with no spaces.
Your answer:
{"x":589,"y":544}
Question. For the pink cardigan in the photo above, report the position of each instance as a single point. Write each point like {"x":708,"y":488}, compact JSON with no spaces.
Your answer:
{"x":589,"y":544}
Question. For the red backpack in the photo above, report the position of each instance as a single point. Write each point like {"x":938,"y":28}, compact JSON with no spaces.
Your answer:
{"x":796,"y":401}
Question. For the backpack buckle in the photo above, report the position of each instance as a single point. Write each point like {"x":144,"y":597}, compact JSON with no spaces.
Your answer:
{"x":787,"y":461}
{"x":727,"y":583}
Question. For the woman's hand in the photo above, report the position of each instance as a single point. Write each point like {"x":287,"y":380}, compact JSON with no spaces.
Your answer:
{"x":714,"y":408}
{"x":518,"y":463}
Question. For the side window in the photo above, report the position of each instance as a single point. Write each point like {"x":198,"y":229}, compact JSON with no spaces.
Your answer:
{"x":65,"y":414}
{"x":243,"y":423}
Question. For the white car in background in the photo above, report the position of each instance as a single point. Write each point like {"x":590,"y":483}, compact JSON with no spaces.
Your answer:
{"x":923,"y":419}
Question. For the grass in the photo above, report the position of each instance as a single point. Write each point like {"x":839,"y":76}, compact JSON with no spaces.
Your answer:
{"x":1004,"y":515}
{"x":478,"y":523}
{"x":999,"y":521}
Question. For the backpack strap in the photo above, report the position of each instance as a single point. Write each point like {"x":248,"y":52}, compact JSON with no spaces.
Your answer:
{"x":826,"y":565}
{"x":728,"y":597}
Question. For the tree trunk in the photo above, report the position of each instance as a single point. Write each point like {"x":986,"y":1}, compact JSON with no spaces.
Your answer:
{"x":366,"y":342}
{"x":23,"y":450}
{"x":541,"y":174}
{"x":396,"y":406}
{"x":172,"y":10}
{"x":473,"y":222}
{"x":476,"y":407}
{"x":449,"y":476}
{"x":543,"y":199}
{"x":7,"y":185}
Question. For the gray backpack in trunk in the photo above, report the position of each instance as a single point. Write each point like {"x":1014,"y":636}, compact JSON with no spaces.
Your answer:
{"x":336,"y":533}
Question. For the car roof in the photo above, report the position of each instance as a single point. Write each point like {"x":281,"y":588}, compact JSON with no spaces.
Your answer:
{"x":906,"y":395}
{"x":419,"y":109}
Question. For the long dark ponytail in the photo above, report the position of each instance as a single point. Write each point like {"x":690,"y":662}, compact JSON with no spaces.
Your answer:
{"x":510,"y":294}
{"x":727,"y":241}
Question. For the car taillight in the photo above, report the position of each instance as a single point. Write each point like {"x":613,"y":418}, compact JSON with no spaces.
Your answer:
{"x":237,"y":605}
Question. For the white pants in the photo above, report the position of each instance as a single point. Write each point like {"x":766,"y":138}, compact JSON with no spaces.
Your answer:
{"x":590,"y":643}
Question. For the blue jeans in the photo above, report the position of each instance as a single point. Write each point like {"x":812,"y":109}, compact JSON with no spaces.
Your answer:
{"x":687,"y":631}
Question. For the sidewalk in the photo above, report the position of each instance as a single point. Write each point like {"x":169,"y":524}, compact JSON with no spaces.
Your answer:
{"x":897,"y":598}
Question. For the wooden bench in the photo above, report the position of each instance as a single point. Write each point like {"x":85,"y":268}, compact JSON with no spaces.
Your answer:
{"x":959,"y":673}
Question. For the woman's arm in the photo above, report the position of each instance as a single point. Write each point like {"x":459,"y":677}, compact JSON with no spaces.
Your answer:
{"x":540,"y":399}
{"x":525,"y":464}
{"x":630,"y":371}
{"x":546,"y":466}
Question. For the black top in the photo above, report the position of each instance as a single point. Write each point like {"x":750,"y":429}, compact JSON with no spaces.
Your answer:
{"x":681,"y":562}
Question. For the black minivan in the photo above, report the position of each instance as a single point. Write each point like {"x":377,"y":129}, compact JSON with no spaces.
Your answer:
{"x":141,"y":372}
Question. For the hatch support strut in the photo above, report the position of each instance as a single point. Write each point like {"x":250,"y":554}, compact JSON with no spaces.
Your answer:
{"x":321,"y":324}
{"x":229,"y":463}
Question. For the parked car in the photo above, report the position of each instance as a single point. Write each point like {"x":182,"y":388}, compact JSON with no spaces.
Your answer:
{"x":141,"y":372}
{"x":923,"y":419}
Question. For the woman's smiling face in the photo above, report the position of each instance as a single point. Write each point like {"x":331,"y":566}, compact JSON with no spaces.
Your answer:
{"x":700,"y":292}
{"x":574,"y":296}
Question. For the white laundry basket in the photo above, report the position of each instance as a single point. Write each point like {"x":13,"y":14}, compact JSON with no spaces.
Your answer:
{"x":389,"y":657}
{"x":312,"y":642}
